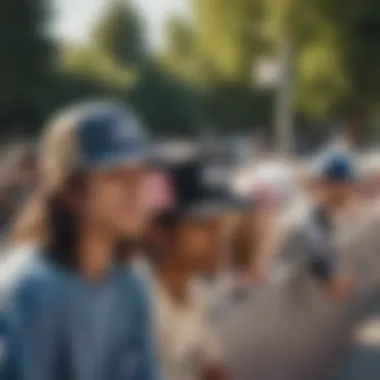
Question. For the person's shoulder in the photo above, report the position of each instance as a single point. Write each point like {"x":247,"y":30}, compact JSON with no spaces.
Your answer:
{"x":25,"y":275}
{"x":133,"y":283}
{"x":16,"y":263}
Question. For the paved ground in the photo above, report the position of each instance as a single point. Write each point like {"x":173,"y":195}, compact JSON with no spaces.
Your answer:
{"x":294,"y":332}
{"x":363,"y":360}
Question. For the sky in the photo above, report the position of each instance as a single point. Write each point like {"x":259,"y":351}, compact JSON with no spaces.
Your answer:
{"x":73,"y":18}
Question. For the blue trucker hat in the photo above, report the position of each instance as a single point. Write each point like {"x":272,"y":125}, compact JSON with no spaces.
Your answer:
{"x":108,"y":134}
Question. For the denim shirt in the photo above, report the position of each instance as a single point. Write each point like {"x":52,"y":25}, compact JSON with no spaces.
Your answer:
{"x":56,"y":326}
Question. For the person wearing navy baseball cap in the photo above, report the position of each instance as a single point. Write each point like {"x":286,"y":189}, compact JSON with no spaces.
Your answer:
{"x":187,"y":238}
{"x":335,"y":178}
{"x":70,"y":309}
{"x":314,"y":239}
{"x":336,"y":171}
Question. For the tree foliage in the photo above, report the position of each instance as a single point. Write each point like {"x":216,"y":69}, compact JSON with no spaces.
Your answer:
{"x":167,"y":104}
{"x":231,"y":106}
{"x":120,"y":35}
{"x":203,"y":75}
{"x":178,"y":56}
{"x":27,"y":58}
{"x":228,"y":36}
{"x":92,"y":63}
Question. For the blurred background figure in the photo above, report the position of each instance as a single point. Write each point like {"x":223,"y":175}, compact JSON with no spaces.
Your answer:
{"x":7,"y":211}
{"x":187,"y":241}
{"x":19,"y":178}
{"x":315,"y":240}
{"x":25,"y":172}
{"x":248,"y":260}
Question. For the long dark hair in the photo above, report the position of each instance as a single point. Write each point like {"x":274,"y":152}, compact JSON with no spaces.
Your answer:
{"x":63,"y":224}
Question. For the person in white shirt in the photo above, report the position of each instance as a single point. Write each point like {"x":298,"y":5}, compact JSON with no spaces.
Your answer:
{"x":182,"y":239}
{"x":249,"y":255}
{"x":316,"y":243}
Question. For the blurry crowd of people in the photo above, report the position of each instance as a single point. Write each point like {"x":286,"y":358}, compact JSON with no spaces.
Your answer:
{"x":19,"y":178}
{"x":132,"y":266}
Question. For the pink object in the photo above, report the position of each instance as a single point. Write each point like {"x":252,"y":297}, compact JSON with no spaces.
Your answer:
{"x":160,"y":192}
{"x":263,"y":192}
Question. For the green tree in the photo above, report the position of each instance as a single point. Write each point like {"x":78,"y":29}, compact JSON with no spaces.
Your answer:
{"x":114,"y":56}
{"x":178,"y":55}
{"x":27,"y":57}
{"x":215,"y":55}
{"x":232,"y":106}
{"x":329,"y":39}
{"x":91,"y":63}
{"x":69,"y":88}
{"x":228,"y":37}
{"x":120,"y":34}
{"x":362,"y":55}
{"x":166,"y":104}
{"x":337,"y":64}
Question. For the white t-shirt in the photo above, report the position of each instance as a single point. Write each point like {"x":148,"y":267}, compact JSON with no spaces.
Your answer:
{"x":187,"y":340}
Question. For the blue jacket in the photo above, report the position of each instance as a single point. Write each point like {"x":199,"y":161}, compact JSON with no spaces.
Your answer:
{"x":56,"y":326}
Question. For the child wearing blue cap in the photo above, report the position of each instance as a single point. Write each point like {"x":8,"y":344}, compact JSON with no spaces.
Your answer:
{"x":334,"y":183}
{"x":312,"y":244}
{"x":69,"y":309}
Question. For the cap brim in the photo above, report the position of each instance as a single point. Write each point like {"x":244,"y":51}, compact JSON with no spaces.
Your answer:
{"x":120,"y":159}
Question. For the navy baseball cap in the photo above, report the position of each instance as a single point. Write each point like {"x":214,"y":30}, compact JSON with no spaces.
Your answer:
{"x":192,"y":193}
{"x":91,"y":135}
{"x":108,"y":134}
{"x":337,"y":168}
